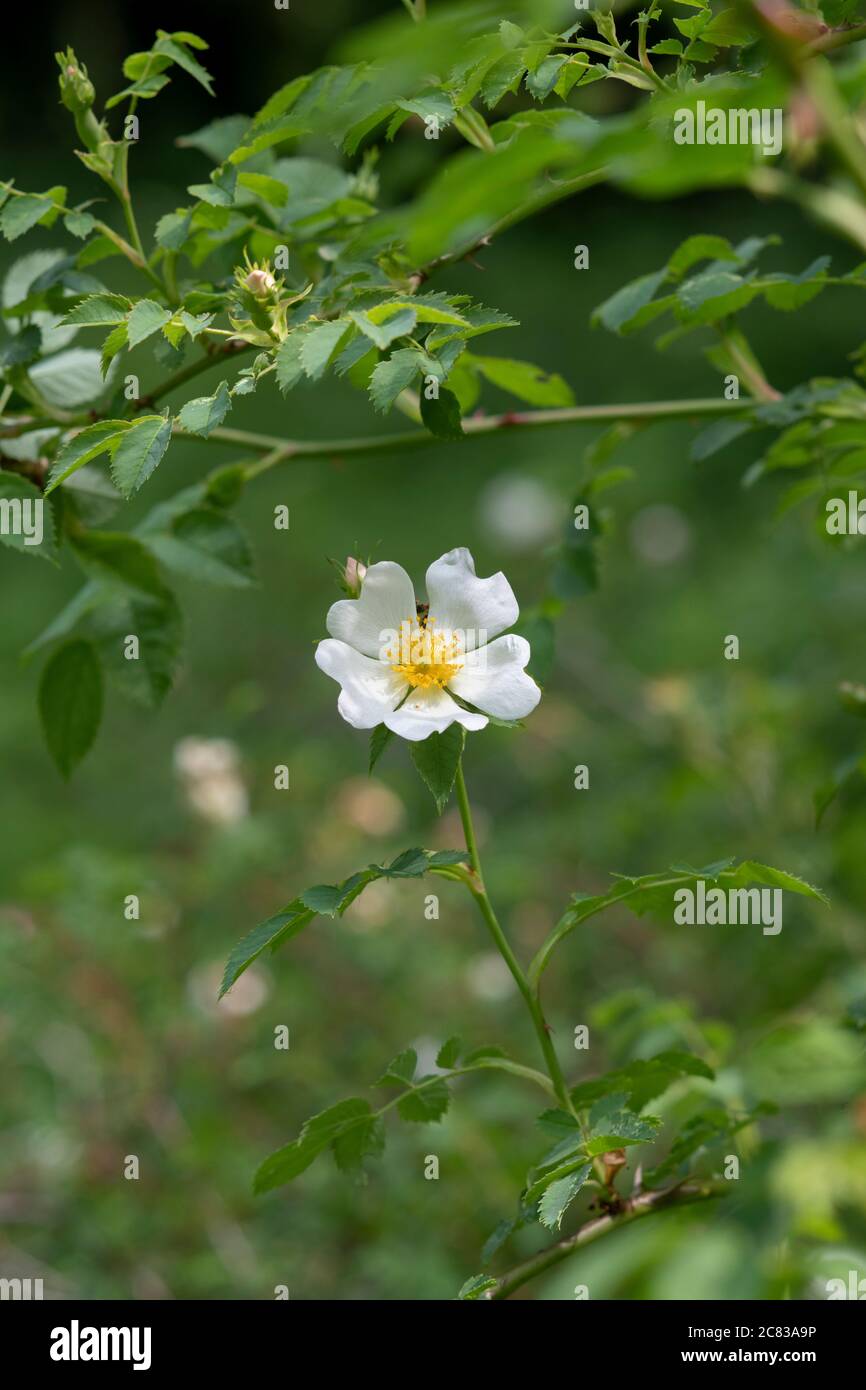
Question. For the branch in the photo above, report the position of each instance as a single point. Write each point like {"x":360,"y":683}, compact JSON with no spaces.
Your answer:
{"x":632,"y":1209}
{"x":642,"y":412}
{"x":836,"y":38}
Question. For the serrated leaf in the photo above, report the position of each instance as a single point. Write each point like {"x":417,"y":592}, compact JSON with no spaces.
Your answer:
{"x":318,"y":344}
{"x":426,"y":1103}
{"x":476,"y":1287}
{"x":437,"y":759}
{"x":330,"y":900}
{"x":401,"y":1070}
{"x":559,"y":1195}
{"x":139,"y":452}
{"x":145,"y":318}
{"x":382,"y":332}
{"x":98,"y":309}
{"x":203,"y":414}
{"x":70,"y":702}
{"x":82,"y":448}
{"x":392,"y":376}
{"x":524,"y":380}
{"x":441,"y":414}
{"x":318,"y":1133}
{"x":449,"y":1053}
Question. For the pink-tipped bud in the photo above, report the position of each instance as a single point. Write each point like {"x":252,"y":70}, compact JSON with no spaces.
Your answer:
{"x":260,"y":282}
{"x":353,"y":576}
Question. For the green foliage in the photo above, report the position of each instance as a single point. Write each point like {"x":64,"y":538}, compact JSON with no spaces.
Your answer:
{"x":329,"y":900}
{"x":437,"y":759}
{"x":70,"y":703}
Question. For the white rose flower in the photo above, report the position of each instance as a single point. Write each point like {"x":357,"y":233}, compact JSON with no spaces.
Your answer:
{"x":399,"y":662}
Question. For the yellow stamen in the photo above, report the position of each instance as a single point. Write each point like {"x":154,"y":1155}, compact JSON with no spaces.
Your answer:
{"x":427,"y":658}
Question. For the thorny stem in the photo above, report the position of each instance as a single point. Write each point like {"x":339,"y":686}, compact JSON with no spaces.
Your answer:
{"x":479,"y":893}
{"x":632,"y":1208}
{"x":281,"y":450}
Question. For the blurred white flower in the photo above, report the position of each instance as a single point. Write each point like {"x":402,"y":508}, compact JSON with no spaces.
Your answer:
{"x":370,"y":806}
{"x":399,"y":662}
{"x":519,"y":511}
{"x":660,"y":534}
{"x":246,"y":995}
{"x":209,"y":770}
{"x":488,"y":978}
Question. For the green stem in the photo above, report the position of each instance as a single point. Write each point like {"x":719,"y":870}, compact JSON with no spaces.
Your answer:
{"x":479,"y":893}
{"x":642,"y":412}
{"x":632,"y":1209}
{"x":837,"y":38}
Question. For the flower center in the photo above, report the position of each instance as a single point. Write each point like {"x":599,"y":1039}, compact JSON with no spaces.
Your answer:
{"x":424,"y":656}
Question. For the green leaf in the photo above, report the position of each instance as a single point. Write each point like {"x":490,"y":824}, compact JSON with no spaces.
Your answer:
{"x":70,"y":379}
{"x":655,"y":893}
{"x":206,"y":545}
{"x":441,"y":414}
{"x":641,"y":1080}
{"x":139,"y":452}
{"x":437,"y":759}
{"x":290,"y":369}
{"x":119,"y":560}
{"x":173,"y":47}
{"x":79,"y":224}
{"x":27,"y":519}
{"x":479,"y":1284}
{"x":203,"y":414}
{"x":24,"y":348}
{"x":392,"y":376}
{"x":622,"y":309}
{"x":83,"y":447}
{"x":379,"y":740}
{"x":158,"y":625}
{"x":318,"y":345}
{"x":330,"y":1128}
{"x":401,"y":1070}
{"x":145,"y":319}
{"x":329,"y":900}
{"x":99,"y":309}
{"x":612,"y":1127}
{"x":449,"y":1053}
{"x":426,"y":1102}
{"x":383,"y":331}
{"x":267,"y":935}
{"x":70,"y":703}
{"x":524,"y":380}
{"x":21,"y":213}
{"x":559,"y":1196}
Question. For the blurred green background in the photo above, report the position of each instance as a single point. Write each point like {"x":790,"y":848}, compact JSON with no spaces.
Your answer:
{"x":112,"y":1039}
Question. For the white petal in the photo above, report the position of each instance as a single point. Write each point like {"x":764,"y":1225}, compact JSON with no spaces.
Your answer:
{"x":387,"y":600}
{"x":430,"y":711}
{"x":479,"y":608}
{"x":493,"y":678}
{"x":370,"y":690}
